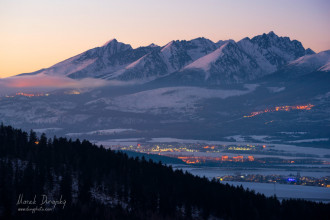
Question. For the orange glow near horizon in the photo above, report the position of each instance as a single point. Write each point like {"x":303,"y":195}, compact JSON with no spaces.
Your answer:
{"x":29,"y":94}
{"x":190,"y":160}
{"x":281,"y":108}
{"x":225,"y":158}
{"x":38,"y":34}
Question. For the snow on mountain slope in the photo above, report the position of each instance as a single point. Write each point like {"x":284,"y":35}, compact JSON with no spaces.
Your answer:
{"x":101,"y":132}
{"x":200,"y":47}
{"x":279,"y":49}
{"x":206,"y":61}
{"x":226,"y":64}
{"x":180,"y":53}
{"x":90,"y":63}
{"x":116,"y":57}
{"x":312,"y":62}
{"x":97,"y":61}
{"x":177,"y":99}
{"x":172,"y":57}
{"x":249,"y":58}
{"x":222,"y":42}
{"x":254,"y":51}
{"x":325,"y":68}
{"x":67,"y":67}
{"x":221,"y":62}
{"x":271,"y":51}
{"x":148,"y":67}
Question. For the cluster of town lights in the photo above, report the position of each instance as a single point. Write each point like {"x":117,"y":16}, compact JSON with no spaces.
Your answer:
{"x":225,"y":158}
{"x":281,"y":108}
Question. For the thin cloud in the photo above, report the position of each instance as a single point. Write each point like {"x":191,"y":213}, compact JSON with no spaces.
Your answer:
{"x":43,"y":83}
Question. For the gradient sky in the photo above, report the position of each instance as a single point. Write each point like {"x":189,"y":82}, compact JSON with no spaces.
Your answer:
{"x":36,"y":34}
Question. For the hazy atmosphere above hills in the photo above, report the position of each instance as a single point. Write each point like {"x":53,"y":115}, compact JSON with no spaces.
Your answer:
{"x":37,"y":34}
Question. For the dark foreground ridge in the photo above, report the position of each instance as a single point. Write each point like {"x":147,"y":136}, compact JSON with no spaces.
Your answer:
{"x":57,"y":178}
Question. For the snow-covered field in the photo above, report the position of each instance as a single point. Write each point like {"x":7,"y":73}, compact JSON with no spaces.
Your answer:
{"x":276,"y":89}
{"x":46,"y":130}
{"x":309,"y":140}
{"x":178,"y":99}
{"x":285,"y":191}
{"x":282,"y":191}
{"x":124,"y":142}
{"x":211,"y":172}
{"x":101,"y":132}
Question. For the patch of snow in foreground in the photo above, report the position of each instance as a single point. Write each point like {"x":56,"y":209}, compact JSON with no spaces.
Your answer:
{"x":276,"y":89}
{"x":110,"y":142}
{"x":285,"y":191}
{"x":260,"y":137}
{"x":294,"y":132}
{"x":102,"y":132}
{"x":45,"y":130}
{"x":325,"y":68}
{"x":236,"y":138}
{"x":309,"y":140}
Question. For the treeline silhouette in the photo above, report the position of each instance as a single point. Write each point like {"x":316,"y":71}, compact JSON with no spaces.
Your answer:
{"x":99,"y":183}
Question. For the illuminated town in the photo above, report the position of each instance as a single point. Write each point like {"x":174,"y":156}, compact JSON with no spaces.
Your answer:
{"x":233,"y":155}
{"x":27,"y":95}
{"x":282,"y":108}
{"x":225,"y":158}
{"x":198,"y":154}
{"x":30,"y":95}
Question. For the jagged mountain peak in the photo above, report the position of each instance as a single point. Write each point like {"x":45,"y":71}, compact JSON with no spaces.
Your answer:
{"x":205,"y":62}
{"x":309,"y":51}
{"x":267,"y":40}
{"x":172,"y":57}
{"x":113,"y":46}
{"x":111,"y":41}
{"x":203,"y":42}
{"x":152,"y":45}
{"x":271,"y":33}
{"x":271,"y":40}
{"x":222,"y":42}
{"x":229,"y":44}
{"x":226,"y":64}
{"x":243,"y":60}
{"x":191,"y":44}
{"x":202,"y":39}
{"x":271,"y":51}
{"x":168,"y":45}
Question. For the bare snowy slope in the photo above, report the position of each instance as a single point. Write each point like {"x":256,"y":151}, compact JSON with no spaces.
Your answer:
{"x":249,"y":58}
{"x":312,"y":62}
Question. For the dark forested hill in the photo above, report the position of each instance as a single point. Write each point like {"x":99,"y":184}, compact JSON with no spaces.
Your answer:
{"x":58,"y":178}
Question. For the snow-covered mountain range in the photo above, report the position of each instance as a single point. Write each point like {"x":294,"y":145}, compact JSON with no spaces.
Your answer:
{"x":222,"y":62}
{"x":267,"y":85}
